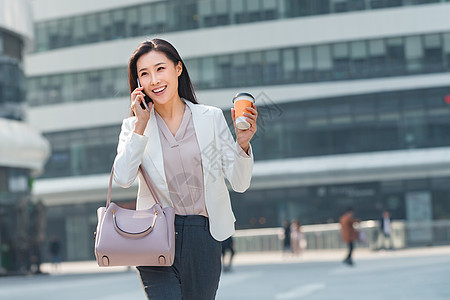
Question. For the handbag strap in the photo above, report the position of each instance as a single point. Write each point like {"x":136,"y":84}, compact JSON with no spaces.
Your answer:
{"x":147,"y":181}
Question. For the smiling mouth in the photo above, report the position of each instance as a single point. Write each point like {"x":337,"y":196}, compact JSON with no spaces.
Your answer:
{"x":159,"y":90}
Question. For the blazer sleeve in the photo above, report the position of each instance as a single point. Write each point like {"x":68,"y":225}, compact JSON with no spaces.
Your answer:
{"x":129,"y":154}
{"x":237,"y":167}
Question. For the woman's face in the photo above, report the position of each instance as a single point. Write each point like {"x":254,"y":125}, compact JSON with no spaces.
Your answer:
{"x":158,"y":76}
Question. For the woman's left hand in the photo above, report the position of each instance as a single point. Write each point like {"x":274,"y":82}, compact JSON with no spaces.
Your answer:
{"x":243,"y":137}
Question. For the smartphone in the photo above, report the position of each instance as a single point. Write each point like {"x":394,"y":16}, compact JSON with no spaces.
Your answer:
{"x":147,"y":99}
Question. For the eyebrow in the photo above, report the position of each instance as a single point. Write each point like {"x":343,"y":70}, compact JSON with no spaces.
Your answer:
{"x":158,"y":64}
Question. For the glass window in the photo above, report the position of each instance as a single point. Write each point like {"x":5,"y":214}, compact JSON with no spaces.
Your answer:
{"x":239,"y":70}
{"x":66,"y":32}
{"x":272,"y":67}
{"x":118,"y":24}
{"x":53,"y":36}
{"x":289,"y":63}
{"x":67,"y":88}
{"x":185,"y":15}
{"x":256,"y":64}
{"x":238,"y":11}
{"x":433,"y":53}
{"x":414,"y":54}
{"x":341,"y":128}
{"x":322,"y":6}
{"x":132,"y":21}
{"x":146,"y":19}
{"x":324,"y":63}
{"x":340,"y":61}
{"x":359,"y":66}
{"x":388,"y":131}
{"x":121,"y":85}
{"x":106,"y":26}
{"x":193,"y":67}
{"x":205,"y":13}
{"x":340,"y":112}
{"x":316,"y":115}
{"x":297,"y":8}
{"x":356,"y":5}
{"x":253,"y":10}
{"x":377,"y":60}
{"x":42,"y":42}
{"x":438,"y":117}
{"x":446,"y":44}
{"x":222,"y":12}
{"x":81,"y":88}
{"x":209,"y":79}
{"x":339,"y":6}
{"x":269,"y":9}
{"x":388,"y":106}
{"x":79,"y":30}
{"x":92,"y":28}
{"x":225,"y":73}
{"x":32,"y":89}
{"x":396,"y":56}
{"x":306,"y":64}
{"x":161,"y":17}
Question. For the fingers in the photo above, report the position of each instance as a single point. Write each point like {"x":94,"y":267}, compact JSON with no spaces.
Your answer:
{"x":136,"y":92}
{"x":136,"y":104}
{"x":252,"y":115}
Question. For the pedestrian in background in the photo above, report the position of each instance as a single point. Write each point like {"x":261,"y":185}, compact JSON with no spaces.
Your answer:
{"x":285,"y":236}
{"x":298,"y":241}
{"x":55,"y":252}
{"x":227,"y":246}
{"x":187,"y":150}
{"x":385,"y":231}
{"x":349,"y":233}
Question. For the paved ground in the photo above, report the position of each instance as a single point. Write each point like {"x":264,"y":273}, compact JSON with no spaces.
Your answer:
{"x":403,"y":274}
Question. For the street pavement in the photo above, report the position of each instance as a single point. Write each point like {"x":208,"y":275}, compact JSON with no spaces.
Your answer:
{"x":403,"y":274}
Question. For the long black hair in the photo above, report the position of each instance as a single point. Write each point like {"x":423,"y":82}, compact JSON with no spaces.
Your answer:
{"x":185,"y":88}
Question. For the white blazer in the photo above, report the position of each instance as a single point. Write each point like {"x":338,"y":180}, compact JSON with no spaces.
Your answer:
{"x":220,"y":159}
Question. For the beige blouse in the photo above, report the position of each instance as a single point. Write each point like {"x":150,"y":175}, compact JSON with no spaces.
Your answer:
{"x":183,"y":166}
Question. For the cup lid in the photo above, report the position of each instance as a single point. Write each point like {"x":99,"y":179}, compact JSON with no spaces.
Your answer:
{"x":243,"y":94}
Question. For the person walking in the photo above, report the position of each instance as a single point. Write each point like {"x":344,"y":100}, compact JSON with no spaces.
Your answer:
{"x":349,"y":233}
{"x":187,"y":150}
{"x":298,"y":241}
{"x":55,"y":251}
{"x":285,"y":235}
{"x":227,"y":246}
{"x":385,"y":231}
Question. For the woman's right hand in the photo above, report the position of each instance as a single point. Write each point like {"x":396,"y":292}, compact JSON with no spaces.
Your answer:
{"x":142,"y":115}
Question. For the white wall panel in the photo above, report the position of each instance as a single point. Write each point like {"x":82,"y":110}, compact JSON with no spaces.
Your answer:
{"x":55,"y":9}
{"x":370,"y":24}
{"x":67,"y":116}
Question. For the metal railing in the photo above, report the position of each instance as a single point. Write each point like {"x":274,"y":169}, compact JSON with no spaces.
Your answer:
{"x":328,"y":236}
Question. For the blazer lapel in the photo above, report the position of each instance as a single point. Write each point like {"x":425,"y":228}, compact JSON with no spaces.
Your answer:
{"x":204,"y":130}
{"x":154,"y":149}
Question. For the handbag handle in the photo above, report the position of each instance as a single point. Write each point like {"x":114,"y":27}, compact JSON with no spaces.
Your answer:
{"x":147,"y":181}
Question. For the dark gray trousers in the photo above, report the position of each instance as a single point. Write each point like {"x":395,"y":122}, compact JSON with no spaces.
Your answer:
{"x":196,"y":270}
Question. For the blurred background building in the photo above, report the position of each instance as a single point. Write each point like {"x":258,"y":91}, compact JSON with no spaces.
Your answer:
{"x":23,"y":150}
{"x":354,"y":101}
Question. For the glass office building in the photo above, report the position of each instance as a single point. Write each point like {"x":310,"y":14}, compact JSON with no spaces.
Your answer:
{"x":353,"y":96}
{"x":23,"y":150}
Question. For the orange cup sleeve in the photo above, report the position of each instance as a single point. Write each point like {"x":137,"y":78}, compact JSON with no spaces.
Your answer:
{"x":239,"y":107}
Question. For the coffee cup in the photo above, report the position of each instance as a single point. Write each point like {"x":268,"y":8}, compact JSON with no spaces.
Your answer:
{"x":241,"y":102}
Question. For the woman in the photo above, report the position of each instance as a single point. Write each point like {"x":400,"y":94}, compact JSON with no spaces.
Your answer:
{"x":349,"y":233}
{"x":187,"y":150}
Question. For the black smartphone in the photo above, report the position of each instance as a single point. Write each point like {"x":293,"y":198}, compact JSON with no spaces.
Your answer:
{"x":147,"y":99}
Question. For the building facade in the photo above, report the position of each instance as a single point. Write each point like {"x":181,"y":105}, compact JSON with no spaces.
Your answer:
{"x":353,"y":99}
{"x":23,"y":150}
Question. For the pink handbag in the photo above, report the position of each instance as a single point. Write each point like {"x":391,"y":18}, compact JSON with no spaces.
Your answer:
{"x":127,"y":237}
